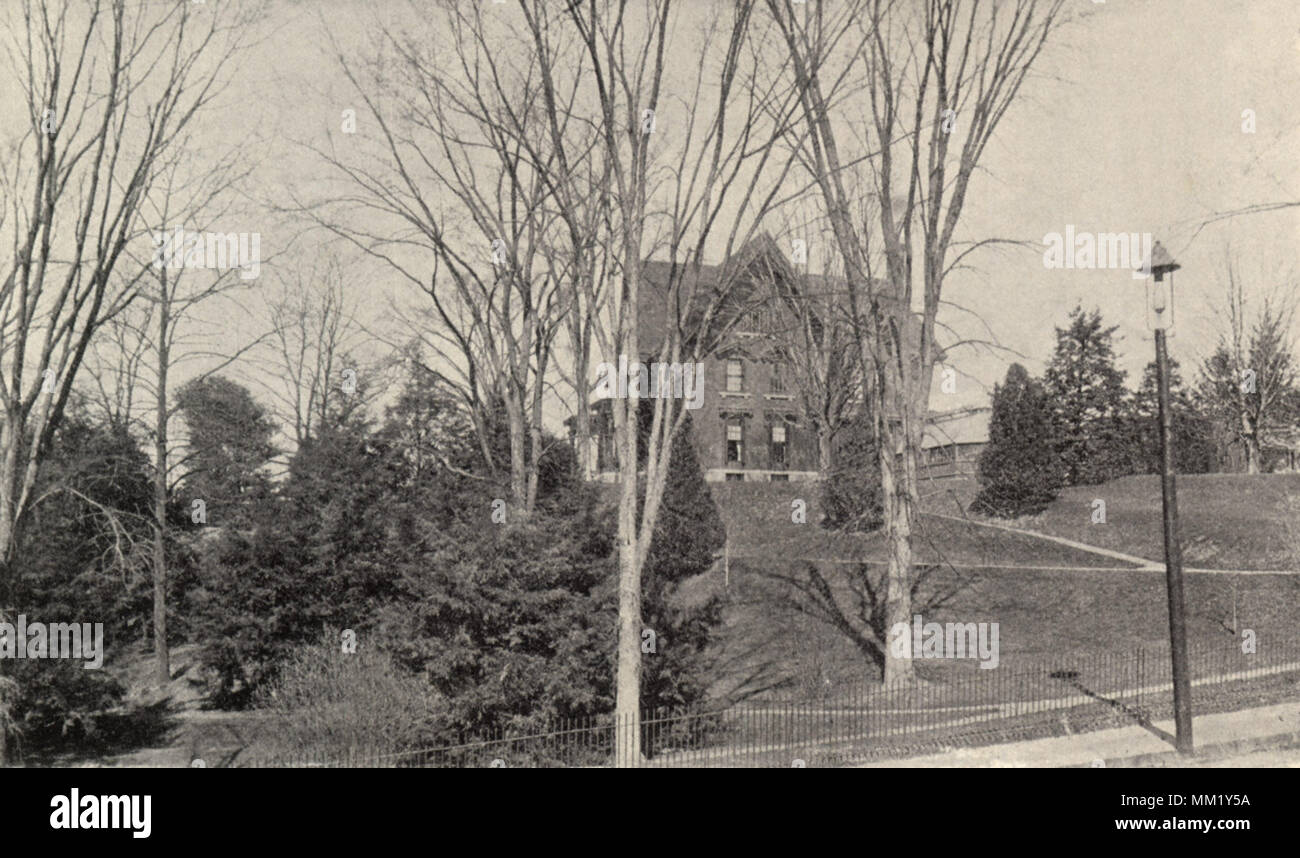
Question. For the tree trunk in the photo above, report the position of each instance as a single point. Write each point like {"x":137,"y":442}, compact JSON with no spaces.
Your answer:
{"x":824,"y":453}
{"x":11,"y":439}
{"x":898,"y":512}
{"x":7,"y":484}
{"x":534,"y":461}
{"x":627,"y":680}
{"x":518,"y":457}
{"x":162,"y":658}
{"x":1250,"y":437}
{"x":904,"y":399}
{"x":627,"y":706}
{"x":582,"y":417}
{"x":1252,"y":456}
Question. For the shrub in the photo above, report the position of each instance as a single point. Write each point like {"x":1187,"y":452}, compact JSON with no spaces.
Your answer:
{"x":328,"y":701}
{"x":50,"y":705}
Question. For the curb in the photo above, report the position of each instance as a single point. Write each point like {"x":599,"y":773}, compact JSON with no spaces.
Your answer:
{"x":1217,"y":750}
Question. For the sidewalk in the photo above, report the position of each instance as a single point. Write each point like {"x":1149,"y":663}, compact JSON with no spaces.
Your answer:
{"x":1224,"y":733}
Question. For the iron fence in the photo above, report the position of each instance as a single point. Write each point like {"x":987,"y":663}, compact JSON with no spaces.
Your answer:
{"x":869,"y":721}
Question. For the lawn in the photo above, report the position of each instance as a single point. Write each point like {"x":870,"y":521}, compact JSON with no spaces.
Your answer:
{"x":760,"y":526}
{"x":1053,"y":603}
{"x":1227,"y":521}
{"x":1046,"y":618}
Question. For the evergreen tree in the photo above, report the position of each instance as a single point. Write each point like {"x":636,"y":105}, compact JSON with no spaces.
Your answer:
{"x":229,"y":442}
{"x":851,"y":495}
{"x":1249,"y":385}
{"x":85,"y":550}
{"x":687,"y":534}
{"x":1192,"y":431}
{"x":425,"y":428}
{"x":1087,"y":396}
{"x":1019,"y":471}
{"x":80,"y":559}
{"x":510,"y":619}
{"x":395,"y":534}
{"x":316,"y":556}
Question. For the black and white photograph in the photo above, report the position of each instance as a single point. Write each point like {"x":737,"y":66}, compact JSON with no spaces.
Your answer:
{"x":389,"y":386}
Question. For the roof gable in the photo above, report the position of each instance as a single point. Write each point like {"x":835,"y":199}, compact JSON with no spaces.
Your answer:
{"x":754,"y":275}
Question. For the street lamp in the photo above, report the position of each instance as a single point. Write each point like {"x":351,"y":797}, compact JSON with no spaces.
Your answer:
{"x":1160,"y":311}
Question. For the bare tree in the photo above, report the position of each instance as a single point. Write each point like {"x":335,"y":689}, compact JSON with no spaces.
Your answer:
{"x":315,"y":342}
{"x":1249,"y":381}
{"x":108,"y":86}
{"x":163,"y":333}
{"x":813,"y":334}
{"x":456,"y":115}
{"x":524,"y":140}
{"x":674,"y":191}
{"x":932,"y":80}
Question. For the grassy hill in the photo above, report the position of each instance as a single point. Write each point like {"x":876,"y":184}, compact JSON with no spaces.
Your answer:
{"x":760,"y":527}
{"x":1051,"y":601}
{"x":1047,"y":617}
{"x":1227,"y":521}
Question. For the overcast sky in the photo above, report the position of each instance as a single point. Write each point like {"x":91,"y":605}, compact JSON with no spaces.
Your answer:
{"x":1133,"y":123}
{"x":1141,"y":131}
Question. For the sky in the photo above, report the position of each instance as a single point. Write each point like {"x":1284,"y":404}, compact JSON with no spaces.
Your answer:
{"x":1133,"y":122}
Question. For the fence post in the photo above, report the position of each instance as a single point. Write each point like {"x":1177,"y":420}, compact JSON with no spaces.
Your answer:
{"x":1141,"y":673}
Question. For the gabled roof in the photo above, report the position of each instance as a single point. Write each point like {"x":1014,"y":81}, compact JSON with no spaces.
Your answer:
{"x":757,"y":264}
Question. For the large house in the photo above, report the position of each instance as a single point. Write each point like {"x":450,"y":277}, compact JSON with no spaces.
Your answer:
{"x":749,"y":424}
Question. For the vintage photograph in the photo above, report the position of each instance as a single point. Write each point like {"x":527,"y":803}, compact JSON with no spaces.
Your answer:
{"x":419,"y":384}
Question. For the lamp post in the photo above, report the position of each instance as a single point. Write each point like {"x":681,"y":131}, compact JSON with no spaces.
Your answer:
{"x":1160,"y":312}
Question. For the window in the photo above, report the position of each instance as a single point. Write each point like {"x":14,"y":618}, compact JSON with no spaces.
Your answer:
{"x":778,"y":446}
{"x":778,"y":379}
{"x":735,"y":478}
{"x":735,"y":376}
{"x":780,"y":478}
{"x":754,"y":323}
{"x":735,"y":444}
